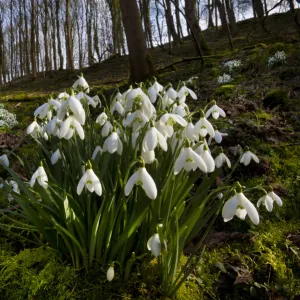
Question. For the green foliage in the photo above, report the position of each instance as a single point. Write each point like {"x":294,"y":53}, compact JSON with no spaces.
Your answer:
{"x":35,"y":274}
{"x":278,"y":97}
{"x":279,"y":47}
{"x":214,"y":72}
{"x":224,"y":91}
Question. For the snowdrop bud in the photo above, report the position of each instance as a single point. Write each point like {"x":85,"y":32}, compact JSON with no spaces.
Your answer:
{"x":113,"y":144}
{"x":4,"y":160}
{"x":220,"y":159}
{"x":81,"y":82}
{"x":110,"y":273}
{"x":208,"y":160}
{"x":41,"y":176}
{"x":101,"y":119}
{"x":55,"y":157}
{"x":247,"y":156}
{"x":154,"y":244}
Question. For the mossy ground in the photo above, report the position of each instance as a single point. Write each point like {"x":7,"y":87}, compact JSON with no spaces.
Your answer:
{"x":265,"y":264}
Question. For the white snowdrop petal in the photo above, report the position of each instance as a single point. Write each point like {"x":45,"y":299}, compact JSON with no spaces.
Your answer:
{"x":81,"y":183}
{"x":229,"y":209}
{"x":130,"y":183}
{"x":148,"y":184}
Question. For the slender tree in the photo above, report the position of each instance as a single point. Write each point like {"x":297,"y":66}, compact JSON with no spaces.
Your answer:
{"x":69,"y":40}
{"x":32,"y":38}
{"x":141,"y":67}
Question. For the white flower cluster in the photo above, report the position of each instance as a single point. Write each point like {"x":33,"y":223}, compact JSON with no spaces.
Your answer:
{"x":7,"y":119}
{"x":225,"y":78}
{"x":279,"y":58}
{"x":232,"y":64}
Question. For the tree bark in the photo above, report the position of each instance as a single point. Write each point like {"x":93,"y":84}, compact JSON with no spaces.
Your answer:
{"x":258,"y":8}
{"x":141,"y":67}
{"x":33,"y":44}
{"x":45,"y":33}
{"x":191,"y":17}
{"x":60,"y":54}
{"x":27,"y":60}
{"x":178,"y":21}
{"x":231,"y":16}
{"x":170,"y":23}
{"x":53,"y":37}
{"x":1,"y":52}
{"x":69,"y":41}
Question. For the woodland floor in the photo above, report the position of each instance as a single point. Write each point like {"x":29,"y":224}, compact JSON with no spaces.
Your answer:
{"x":263,"y":105}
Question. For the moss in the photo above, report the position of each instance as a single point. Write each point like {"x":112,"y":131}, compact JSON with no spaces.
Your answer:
{"x":224,"y":91}
{"x":278,"y":97}
{"x":214,"y":72}
{"x":279,"y":47}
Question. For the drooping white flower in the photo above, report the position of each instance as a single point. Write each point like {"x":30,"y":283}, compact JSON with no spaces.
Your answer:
{"x":107,"y":129}
{"x":82,"y":97}
{"x":189,"y":160}
{"x":157,"y":86}
{"x":172,"y":93}
{"x":113,"y":144}
{"x":247,"y":156}
{"x":221,"y":159}
{"x":53,"y":127}
{"x":136,"y":119}
{"x":110,"y":273}
{"x":203,"y":126}
{"x":200,"y":149}
{"x":153,"y":138}
{"x":165,"y":129}
{"x":154,"y":244}
{"x":117,"y":106}
{"x":142,"y":177}
{"x":97,"y":100}
{"x":240,"y":206}
{"x":171,"y":119}
{"x":166,"y":101}
{"x":72,"y":105}
{"x":153,"y":94}
{"x":181,"y":110}
{"x":208,"y":160}
{"x":276,"y":198}
{"x":36,"y":131}
{"x":81,"y":82}
{"x":267,"y":201}
{"x":55,"y":157}
{"x":184,"y":91}
{"x":97,"y":150}
{"x":219,"y":136}
{"x":4,"y":160}
{"x":41,"y":176}
{"x":46,"y":109}
{"x":63,"y":96}
{"x":148,"y":156}
{"x":68,"y":128}
{"x":90,"y":181}
{"x":189,"y":132}
{"x":215,"y":111}
{"x":101,"y":119}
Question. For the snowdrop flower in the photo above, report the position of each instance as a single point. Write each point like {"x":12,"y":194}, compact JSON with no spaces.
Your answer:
{"x":200,"y":149}
{"x":153,"y":138}
{"x":41,"y":176}
{"x":166,"y":130}
{"x":276,"y":198}
{"x":97,"y":150}
{"x":73,"y":105}
{"x":189,"y":132}
{"x":15,"y":189}
{"x":117,"y":106}
{"x":221,"y":159}
{"x":267,"y":201}
{"x":107,"y":129}
{"x":189,"y":160}
{"x":154,"y":244}
{"x":55,"y":157}
{"x":157,"y":86}
{"x":110,"y":273}
{"x":136,"y":119}
{"x":83,"y":97}
{"x":180,"y":110}
{"x":63,"y":96}
{"x":154,"y":91}
{"x":247,"y":156}
{"x":208,"y":160}
{"x":240,"y":206}
{"x":148,"y":156}
{"x":46,"y":109}
{"x":166,"y":101}
{"x":36,"y":131}
{"x":113,"y":144}
{"x":81,"y":83}
{"x":171,"y":119}
{"x":101,"y":119}
{"x":90,"y":181}
{"x":171,"y":93}
{"x":203,"y":126}
{"x":97,"y":100}
{"x":184,"y":91}
{"x":53,"y":127}
{"x":142,"y":177}
{"x":215,"y":111}
{"x":4,"y":160}
{"x":68,"y":128}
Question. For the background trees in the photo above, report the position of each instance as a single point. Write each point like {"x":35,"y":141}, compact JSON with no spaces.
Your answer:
{"x":39,"y":36}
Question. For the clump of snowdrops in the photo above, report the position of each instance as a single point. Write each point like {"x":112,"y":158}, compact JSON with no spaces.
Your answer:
{"x":225,"y":78}
{"x":232,"y":65}
{"x":133,"y":179}
{"x":7,"y":119}
{"x":279,"y":58}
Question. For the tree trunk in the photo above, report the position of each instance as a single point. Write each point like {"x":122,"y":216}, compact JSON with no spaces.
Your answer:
{"x":69,"y":41}
{"x":222,"y":13}
{"x":147,"y":21}
{"x":33,"y":45}
{"x":191,"y":18}
{"x":89,"y":37}
{"x":141,"y":67}
{"x":258,"y":8}
{"x":20,"y":40}
{"x":158,"y":25}
{"x":45,"y":33}
{"x":96,"y":40}
{"x":210,"y":11}
{"x":1,"y":52}
{"x":170,"y":23}
{"x":27,"y":60}
{"x":61,"y":57}
{"x":178,"y":21}
{"x":53,"y":37}
{"x":231,"y":16}
{"x":295,"y":13}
